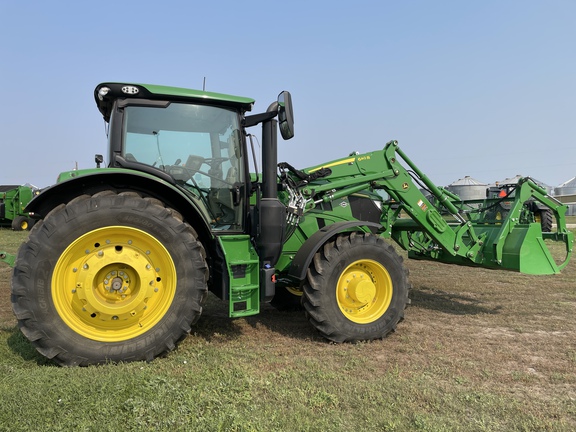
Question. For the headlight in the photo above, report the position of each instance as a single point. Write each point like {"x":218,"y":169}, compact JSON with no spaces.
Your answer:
{"x":103,"y":92}
{"x":132,"y":90}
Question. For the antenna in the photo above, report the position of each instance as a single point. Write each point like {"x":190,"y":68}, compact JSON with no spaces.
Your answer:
{"x":204,"y":85}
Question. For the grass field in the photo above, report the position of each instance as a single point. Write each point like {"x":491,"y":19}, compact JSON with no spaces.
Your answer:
{"x":479,"y":350}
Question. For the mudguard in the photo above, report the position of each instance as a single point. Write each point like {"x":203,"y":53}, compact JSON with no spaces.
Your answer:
{"x":306,"y":253}
{"x":119,"y":179}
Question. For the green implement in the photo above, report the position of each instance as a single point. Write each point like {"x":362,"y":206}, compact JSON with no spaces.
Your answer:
{"x":8,"y":258}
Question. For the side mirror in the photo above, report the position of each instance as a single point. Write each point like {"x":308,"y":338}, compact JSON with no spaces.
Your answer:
{"x":285,"y":115}
{"x":98,"y":159}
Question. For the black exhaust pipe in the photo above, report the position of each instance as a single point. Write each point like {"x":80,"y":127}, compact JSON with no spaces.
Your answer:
{"x":272,"y":213}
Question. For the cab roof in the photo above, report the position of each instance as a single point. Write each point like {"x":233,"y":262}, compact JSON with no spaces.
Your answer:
{"x":106,"y":93}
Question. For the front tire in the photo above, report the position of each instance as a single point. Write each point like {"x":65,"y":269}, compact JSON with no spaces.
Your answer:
{"x":546,"y":219}
{"x":356,"y":288}
{"x":112,"y":277}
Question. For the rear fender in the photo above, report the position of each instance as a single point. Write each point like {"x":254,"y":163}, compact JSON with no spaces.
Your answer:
{"x":121,"y":180}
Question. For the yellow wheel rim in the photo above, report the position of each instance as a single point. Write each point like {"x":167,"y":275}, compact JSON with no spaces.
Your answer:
{"x":24,"y":225}
{"x":364,"y":291}
{"x":294,"y":291}
{"x":113,"y":284}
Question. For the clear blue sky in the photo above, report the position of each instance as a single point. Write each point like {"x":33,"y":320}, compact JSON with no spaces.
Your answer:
{"x":479,"y":88}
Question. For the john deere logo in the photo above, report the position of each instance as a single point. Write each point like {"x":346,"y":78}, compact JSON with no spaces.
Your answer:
{"x":405,"y":186}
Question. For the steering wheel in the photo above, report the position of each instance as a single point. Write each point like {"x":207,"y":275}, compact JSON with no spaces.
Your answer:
{"x":215,"y":161}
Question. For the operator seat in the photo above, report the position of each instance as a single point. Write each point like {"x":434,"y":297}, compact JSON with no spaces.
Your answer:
{"x":193,"y":164}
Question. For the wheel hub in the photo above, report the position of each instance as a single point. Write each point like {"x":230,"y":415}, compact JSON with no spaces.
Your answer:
{"x":123,"y":281}
{"x":364,"y":291}
{"x":116,"y":284}
{"x":361,"y":289}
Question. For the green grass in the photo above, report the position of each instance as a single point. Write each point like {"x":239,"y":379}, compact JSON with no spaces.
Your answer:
{"x":479,"y":350}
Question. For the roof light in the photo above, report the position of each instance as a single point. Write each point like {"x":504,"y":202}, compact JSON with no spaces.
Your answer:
{"x":103,"y":92}
{"x":130,"y":90}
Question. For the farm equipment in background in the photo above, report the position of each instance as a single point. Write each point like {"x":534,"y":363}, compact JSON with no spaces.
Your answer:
{"x":122,"y":258}
{"x":13,"y":200}
{"x":534,"y":210}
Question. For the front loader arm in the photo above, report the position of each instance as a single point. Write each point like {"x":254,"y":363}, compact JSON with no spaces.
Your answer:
{"x":384,"y":170}
{"x":444,"y":231}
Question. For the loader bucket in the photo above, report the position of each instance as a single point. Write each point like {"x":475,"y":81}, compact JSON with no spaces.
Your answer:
{"x":500,"y":244}
{"x":523,"y":246}
{"x":525,"y":250}
{"x":516,"y":244}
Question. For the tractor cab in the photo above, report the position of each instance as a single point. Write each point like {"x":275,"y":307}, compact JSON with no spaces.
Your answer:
{"x":189,"y":138}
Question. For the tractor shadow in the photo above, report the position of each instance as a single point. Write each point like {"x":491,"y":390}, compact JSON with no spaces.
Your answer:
{"x":215,"y":324}
{"x":450,"y":303}
{"x":22,"y":347}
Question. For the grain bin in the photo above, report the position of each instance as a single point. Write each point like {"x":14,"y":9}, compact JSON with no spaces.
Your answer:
{"x":566,"y":193}
{"x":566,"y":188}
{"x":468,"y":188}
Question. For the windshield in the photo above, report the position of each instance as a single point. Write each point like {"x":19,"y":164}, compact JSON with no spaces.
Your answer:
{"x":199,"y":146}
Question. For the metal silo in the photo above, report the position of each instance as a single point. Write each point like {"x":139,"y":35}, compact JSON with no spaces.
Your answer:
{"x":468,"y":188}
{"x":566,"y":193}
{"x":566,"y":188}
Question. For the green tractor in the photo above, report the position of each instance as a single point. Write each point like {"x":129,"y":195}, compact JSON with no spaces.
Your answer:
{"x":13,"y":201}
{"x":121,"y":260}
{"x":534,"y":211}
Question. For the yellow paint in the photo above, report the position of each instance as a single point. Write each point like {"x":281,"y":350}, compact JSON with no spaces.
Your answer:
{"x":340,"y":162}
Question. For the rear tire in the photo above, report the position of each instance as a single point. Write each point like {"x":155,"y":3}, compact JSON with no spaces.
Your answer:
{"x":356,"y":288}
{"x":109,"y":278}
